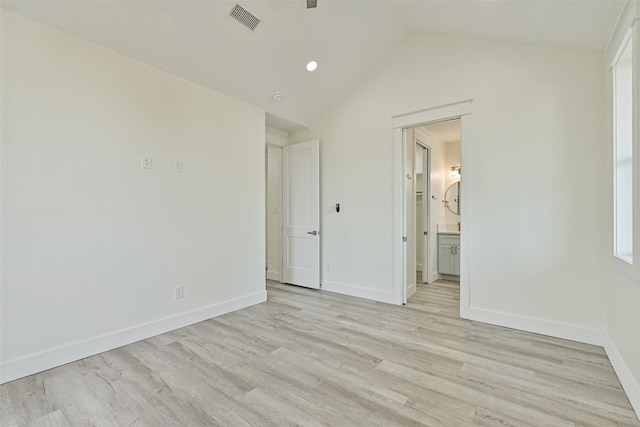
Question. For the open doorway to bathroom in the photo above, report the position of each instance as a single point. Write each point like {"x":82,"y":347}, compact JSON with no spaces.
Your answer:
{"x":437,"y":220}
{"x":405,"y":127}
{"x":433,"y":201}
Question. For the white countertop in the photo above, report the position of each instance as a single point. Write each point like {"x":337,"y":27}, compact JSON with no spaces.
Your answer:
{"x":448,"y":229}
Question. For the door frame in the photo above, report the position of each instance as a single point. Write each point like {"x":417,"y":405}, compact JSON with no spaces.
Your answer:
{"x":459,"y":110}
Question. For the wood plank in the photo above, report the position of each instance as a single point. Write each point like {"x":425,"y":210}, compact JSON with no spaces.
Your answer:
{"x":312,"y":358}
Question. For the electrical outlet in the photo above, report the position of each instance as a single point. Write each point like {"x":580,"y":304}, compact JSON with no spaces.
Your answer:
{"x":146,"y":162}
{"x":328,"y":265}
{"x":178,"y":292}
{"x":177,"y":166}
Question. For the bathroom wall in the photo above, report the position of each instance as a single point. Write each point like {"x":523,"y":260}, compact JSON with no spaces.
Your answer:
{"x":451,"y":158}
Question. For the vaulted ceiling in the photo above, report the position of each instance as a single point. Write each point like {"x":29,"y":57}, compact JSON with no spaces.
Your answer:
{"x":198,"y":41}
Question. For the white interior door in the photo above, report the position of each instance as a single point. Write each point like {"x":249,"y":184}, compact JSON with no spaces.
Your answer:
{"x":426,"y":213}
{"x":301,"y":219}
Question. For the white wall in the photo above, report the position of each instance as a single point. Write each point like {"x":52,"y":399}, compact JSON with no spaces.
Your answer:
{"x":537,"y":119}
{"x":274,"y":212}
{"x":452,"y":158}
{"x":623,"y":291}
{"x":92,"y":244}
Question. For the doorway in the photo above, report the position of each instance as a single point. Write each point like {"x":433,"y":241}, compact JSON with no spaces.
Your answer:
{"x":404,"y":196}
{"x":445,"y":228}
{"x":292,"y":211}
{"x":301,"y":214}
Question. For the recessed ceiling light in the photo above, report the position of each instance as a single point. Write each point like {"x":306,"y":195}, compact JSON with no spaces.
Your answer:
{"x":312,"y":65}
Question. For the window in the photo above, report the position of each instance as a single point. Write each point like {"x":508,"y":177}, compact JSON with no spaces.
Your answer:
{"x":623,"y":153}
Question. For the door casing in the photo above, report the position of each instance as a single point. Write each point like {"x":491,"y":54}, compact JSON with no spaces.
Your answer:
{"x":460,"y":110}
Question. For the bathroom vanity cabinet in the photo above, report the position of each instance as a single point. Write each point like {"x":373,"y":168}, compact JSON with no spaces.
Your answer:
{"x":449,"y":254}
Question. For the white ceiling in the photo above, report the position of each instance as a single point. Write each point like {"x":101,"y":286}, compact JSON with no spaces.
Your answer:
{"x":198,"y":41}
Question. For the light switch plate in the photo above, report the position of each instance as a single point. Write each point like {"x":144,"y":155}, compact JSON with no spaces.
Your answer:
{"x":178,"y":292}
{"x":146,"y":162}
{"x":177,"y":166}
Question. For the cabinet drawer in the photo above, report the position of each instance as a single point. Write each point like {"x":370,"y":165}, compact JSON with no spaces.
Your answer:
{"x":448,"y":239}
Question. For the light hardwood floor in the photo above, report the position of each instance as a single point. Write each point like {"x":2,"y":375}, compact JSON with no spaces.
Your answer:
{"x":313,"y":358}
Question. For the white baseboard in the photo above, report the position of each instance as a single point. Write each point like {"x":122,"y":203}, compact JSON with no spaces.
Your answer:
{"x":629,"y":383}
{"x":357,"y":291}
{"x":273,"y":275}
{"x":39,"y":362}
{"x":434,"y":277}
{"x":411,"y":290}
{"x":569,"y":332}
{"x":538,"y":326}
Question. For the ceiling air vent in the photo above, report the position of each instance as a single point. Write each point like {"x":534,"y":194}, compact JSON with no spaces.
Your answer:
{"x":244,"y":17}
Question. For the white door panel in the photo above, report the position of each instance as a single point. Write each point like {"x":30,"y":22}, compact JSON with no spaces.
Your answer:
{"x":426,"y":213}
{"x":301,"y":219}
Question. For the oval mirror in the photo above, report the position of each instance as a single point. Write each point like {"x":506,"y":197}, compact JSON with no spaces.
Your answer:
{"x":452,"y":198}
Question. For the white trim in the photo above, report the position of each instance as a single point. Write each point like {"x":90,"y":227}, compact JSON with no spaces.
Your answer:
{"x":628,"y":35}
{"x":273,"y":275}
{"x":538,"y":326}
{"x":276,"y":137}
{"x":460,"y":110}
{"x":629,"y":383}
{"x":422,"y":137}
{"x":568,"y":332}
{"x":356,"y":291}
{"x":398,"y":217}
{"x":626,"y":39}
{"x":411,"y":289}
{"x":465,"y":216}
{"x":626,"y":20}
{"x":434,"y":114}
{"x":426,"y":135}
{"x":434,"y":276}
{"x":39,"y":362}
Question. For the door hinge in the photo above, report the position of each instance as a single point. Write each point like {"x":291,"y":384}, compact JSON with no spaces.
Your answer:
{"x":404,"y":238}
{"x":426,"y":233}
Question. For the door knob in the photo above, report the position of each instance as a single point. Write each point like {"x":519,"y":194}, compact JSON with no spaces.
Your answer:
{"x":314,"y":232}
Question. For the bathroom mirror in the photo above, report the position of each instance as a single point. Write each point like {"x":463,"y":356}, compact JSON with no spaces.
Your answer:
{"x":452,"y":198}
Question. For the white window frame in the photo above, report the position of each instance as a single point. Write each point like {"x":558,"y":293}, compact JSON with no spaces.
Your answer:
{"x":631,"y":267}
